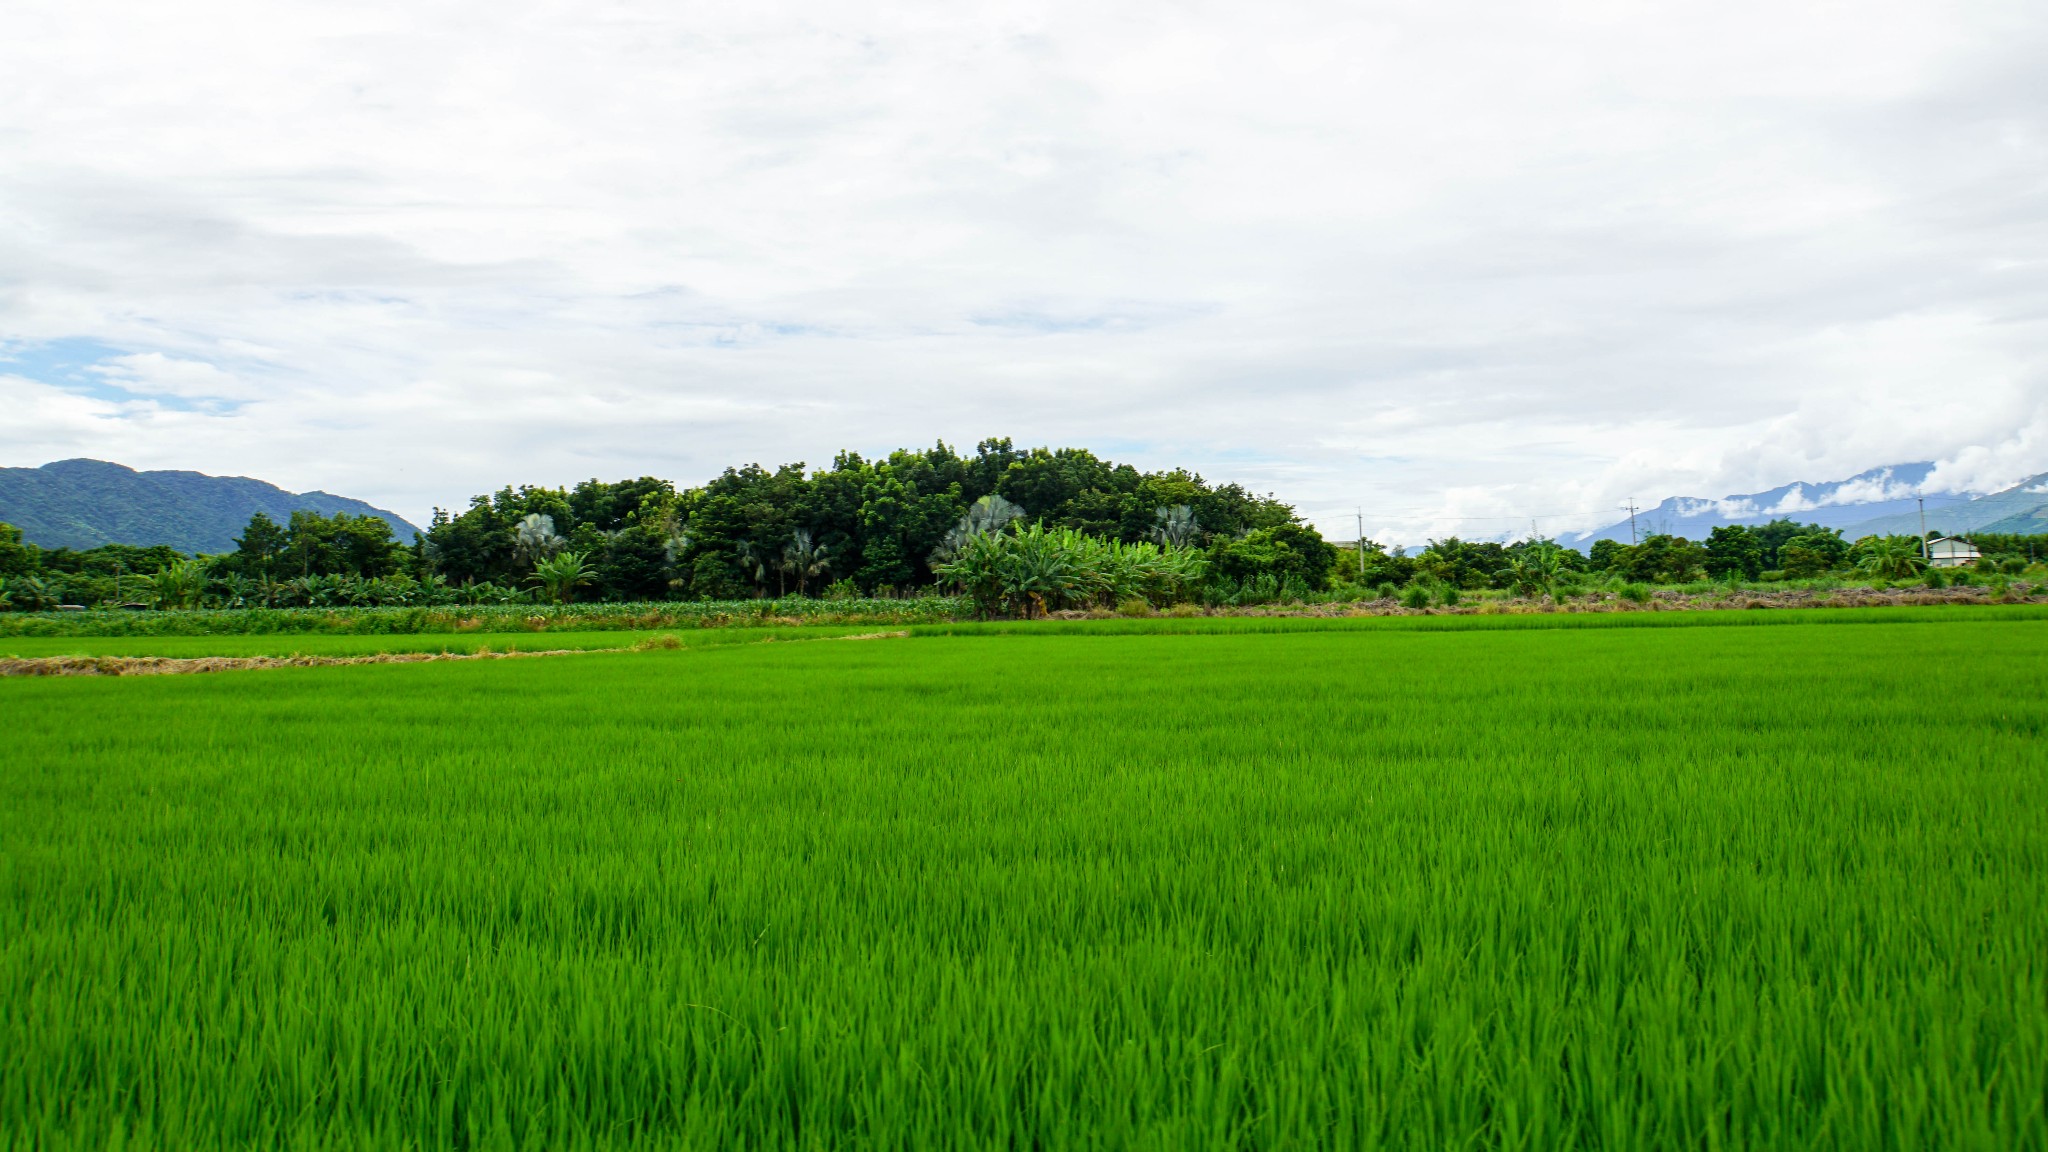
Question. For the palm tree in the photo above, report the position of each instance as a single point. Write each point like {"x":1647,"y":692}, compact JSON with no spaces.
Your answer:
{"x":534,"y":539}
{"x":560,"y":576}
{"x":989,"y":514}
{"x":755,"y":560}
{"x":805,"y":559}
{"x":1176,"y":526}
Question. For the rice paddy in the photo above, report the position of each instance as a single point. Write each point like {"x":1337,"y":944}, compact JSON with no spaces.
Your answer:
{"x":1236,"y":886}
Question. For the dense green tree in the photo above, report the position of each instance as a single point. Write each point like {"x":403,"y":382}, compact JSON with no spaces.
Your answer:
{"x":611,"y":507}
{"x":1283,"y":552}
{"x":1381,"y":566}
{"x":1662,"y":558}
{"x":1813,"y":553}
{"x":1734,"y":550}
{"x":110,"y":560}
{"x":15,"y":557}
{"x":316,"y":545}
{"x":1775,"y":535}
{"x":260,"y":549}
{"x":1462,"y":563}
{"x":2028,"y":548}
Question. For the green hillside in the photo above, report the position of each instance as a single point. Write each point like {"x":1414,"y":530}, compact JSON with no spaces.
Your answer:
{"x":87,"y":503}
{"x":2019,"y":510}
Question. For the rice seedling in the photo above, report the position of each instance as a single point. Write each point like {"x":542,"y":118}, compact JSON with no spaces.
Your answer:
{"x":1483,"y":886}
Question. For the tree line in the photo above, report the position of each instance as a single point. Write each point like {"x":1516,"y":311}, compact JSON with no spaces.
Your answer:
{"x":1780,"y":550}
{"x":1018,"y":531}
{"x":879,"y":527}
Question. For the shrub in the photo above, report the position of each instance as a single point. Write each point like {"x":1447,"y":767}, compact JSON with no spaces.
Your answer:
{"x":1135,"y":606}
{"x":1415,"y":596}
{"x":1634,"y":593}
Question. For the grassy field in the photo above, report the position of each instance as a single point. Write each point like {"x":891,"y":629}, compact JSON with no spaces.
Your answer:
{"x":1513,"y":887}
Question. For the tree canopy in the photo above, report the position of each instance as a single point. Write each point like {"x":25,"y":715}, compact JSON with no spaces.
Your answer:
{"x":877,"y":524}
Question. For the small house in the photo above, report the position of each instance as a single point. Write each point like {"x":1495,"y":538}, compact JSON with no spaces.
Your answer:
{"x":1951,"y":552}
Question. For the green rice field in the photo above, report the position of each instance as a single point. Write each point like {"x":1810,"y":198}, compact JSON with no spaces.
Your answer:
{"x":1152,"y":884}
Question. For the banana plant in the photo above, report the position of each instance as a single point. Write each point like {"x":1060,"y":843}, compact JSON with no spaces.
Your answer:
{"x":559,"y":576}
{"x":179,"y":585}
{"x":1890,"y":558}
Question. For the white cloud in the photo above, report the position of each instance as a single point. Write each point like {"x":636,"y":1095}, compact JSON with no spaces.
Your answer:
{"x":155,"y":374}
{"x":1467,"y":264}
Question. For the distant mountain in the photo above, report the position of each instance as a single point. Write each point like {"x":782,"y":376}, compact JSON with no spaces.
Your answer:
{"x":2022,"y":508}
{"x":86,"y":503}
{"x":1887,"y":491}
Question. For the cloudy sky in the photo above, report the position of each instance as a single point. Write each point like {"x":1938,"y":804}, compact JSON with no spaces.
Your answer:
{"x":1446,"y":260}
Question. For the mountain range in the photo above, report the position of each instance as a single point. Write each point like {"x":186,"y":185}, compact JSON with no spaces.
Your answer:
{"x":86,"y":503}
{"x":1881,"y":501}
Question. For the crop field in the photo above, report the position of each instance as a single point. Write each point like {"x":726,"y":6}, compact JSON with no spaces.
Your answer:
{"x":1187,"y":886}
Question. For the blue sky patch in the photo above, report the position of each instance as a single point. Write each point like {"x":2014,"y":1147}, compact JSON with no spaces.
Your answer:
{"x":69,"y":363}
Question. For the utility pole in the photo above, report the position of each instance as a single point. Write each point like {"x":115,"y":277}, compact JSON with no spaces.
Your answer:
{"x":1632,"y":521}
{"x":1361,"y":542}
{"x":1922,"y":500}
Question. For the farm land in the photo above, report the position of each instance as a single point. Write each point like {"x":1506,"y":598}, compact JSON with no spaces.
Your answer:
{"x":1622,"y":880}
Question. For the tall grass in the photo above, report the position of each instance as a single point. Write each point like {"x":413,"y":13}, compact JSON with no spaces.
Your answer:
{"x":1562,"y":888}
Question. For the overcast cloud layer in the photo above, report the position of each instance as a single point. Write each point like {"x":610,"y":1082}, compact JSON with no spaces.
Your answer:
{"x":1445,"y":260}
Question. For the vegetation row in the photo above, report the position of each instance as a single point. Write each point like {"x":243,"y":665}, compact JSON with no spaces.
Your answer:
{"x":1014,"y":532}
